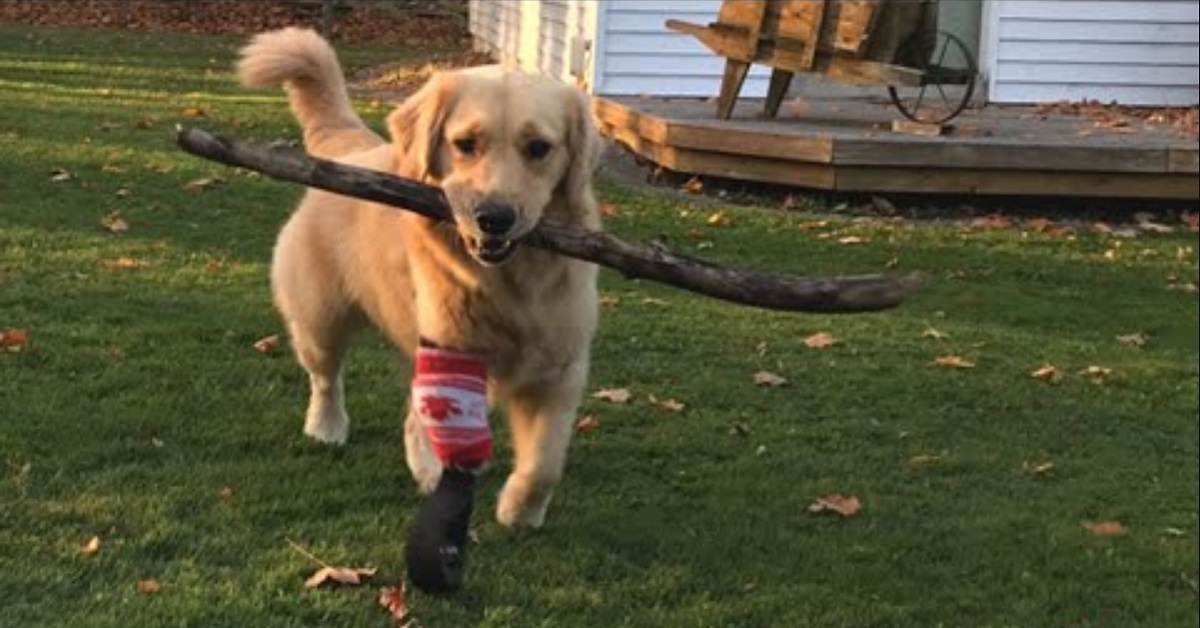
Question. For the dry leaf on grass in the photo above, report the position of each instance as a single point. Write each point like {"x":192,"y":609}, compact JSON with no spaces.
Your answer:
{"x":114,"y":223}
{"x":331,"y":574}
{"x":1038,"y":468}
{"x":14,"y":340}
{"x":670,"y":405}
{"x":693,"y":186}
{"x":126,"y":263}
{"x":953,"y":362}
{"x":844,"y":505}
{"x":58,"y":175}
{"x":395,"y":600}
{"x":820,"y":340}
{"x":608,"y":210}
{"x":719,"y":219}
{"x":267,"y":345}
{"x":1096,"y":373}
{"x":193,"y":112}
{"x":613,"y":395}
{"x":1105,"y":528}
{"x":767,"y":379}
{"x":90,"y":547}
{"x":149,"y":586}
{"x":348,"y":576}
{"x":1136,"y":340}
{"x":934,"y":334}
{"x":852,"y":240}
{"x":607,"y":300}
{"x":202,"y":184}
{"x":588,"y":423}
{"x":923,"y":461}
{"x":1049,"y":374}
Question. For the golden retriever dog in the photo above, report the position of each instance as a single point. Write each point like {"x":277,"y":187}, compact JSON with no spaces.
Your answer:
{"x":509,"y":150}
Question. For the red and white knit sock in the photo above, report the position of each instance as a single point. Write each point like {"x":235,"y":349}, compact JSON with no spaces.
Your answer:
{"x":449,"y":395}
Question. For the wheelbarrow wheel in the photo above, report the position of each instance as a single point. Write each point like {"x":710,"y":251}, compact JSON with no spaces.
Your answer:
{"x":947,"y":83}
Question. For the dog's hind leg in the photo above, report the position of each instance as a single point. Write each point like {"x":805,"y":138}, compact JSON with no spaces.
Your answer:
{"x":541,"y":418}
{"x":321,"y":354}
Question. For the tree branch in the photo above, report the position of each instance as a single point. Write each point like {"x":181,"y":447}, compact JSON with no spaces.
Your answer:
{"x":852,"y":293}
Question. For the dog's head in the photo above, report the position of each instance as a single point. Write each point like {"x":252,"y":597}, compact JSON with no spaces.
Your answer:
{"x":506,"y":148}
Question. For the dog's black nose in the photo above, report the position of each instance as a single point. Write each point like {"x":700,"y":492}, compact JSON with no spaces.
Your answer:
{"x":495,"y":219}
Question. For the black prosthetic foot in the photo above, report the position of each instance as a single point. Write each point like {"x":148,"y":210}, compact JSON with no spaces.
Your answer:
{"x":437,"y":542}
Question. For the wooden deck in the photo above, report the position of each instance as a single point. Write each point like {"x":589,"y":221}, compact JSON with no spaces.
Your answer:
{"x":846,"y":144}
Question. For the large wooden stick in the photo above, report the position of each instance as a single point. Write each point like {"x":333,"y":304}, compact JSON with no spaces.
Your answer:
{"x":853,"y":293}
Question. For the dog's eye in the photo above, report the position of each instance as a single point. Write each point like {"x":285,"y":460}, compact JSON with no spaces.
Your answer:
{"x":537,"y":149}
{"x":465,"y":146}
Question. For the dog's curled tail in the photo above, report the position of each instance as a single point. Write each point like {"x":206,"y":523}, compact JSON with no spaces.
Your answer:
{"x":307,"y":67}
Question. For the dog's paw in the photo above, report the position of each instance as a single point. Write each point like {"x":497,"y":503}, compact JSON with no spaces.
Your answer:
{"x":332,"y":428}
{"x":521,"y":506}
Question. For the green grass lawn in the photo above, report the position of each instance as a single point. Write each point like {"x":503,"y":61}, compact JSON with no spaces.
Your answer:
{"x":140,"y":413}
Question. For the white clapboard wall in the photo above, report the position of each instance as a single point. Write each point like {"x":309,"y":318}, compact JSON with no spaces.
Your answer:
{"x":1136,"y":52}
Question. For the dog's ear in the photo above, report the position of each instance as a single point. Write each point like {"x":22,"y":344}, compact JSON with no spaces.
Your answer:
{"x":584,"y":146}
{"x":416,"y":128}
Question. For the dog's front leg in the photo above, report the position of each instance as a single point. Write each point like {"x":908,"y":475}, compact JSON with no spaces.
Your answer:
{"x":541,"y":418}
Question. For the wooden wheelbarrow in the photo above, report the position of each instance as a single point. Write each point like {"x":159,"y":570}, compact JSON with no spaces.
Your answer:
{"x":857,"y":42}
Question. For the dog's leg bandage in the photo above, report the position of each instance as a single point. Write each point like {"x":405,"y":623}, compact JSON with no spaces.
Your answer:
{"x":449,"y":396}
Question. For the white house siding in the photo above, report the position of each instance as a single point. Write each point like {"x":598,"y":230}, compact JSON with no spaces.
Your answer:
{"x":636,"y":54}
{"x":537,"y":35}
{"x":1136,"y":52}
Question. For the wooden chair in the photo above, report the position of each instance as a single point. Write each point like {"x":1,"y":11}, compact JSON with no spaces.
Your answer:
{"x":831,"y":37}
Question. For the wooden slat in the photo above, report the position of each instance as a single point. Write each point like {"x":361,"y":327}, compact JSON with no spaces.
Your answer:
{"x":762,"y":169}
{"x":713,"y":136}
{"x":859,"y":72}
{"x":801,"y":20}
{"x":1017,"y":182}
{"x":1183,"y":160}
{"x":941,"y":153}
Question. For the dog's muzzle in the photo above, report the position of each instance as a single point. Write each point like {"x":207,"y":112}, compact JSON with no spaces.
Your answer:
{"x":495,"y":222}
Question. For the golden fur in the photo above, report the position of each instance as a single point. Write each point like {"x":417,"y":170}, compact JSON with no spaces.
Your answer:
{"x":340,"y":262}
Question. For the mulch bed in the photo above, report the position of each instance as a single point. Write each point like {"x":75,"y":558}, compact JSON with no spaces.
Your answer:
{"x":432,"y":23}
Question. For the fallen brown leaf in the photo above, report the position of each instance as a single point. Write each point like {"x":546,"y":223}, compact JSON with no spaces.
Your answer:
{"x":934,"y":334}
{"x":844,"y":505}
{"x":613,"y":395}
{"x":14,"y":340}
{"x":609,"y":301}
{"x":1049,"y":374}
{"x":90,"y":547}
{"x":693,"y":186}
{"x":126,"y":263}
{"x":1137,"y":340}
{"x":922,"y":461}
{"x":267,"y":345}
{"x":1096,"y":373}
{"x":953,"y":362}
{"x":588,"y":423}
{"x":767,"y":379}
{"x":608,"y":210}
{"x":193,"y":112}
{"x":202,"y":184}
{"x":395,"y":600}
{"x":149,"y":586}
{"x":114,"y":223}
{"x":348,"y":576}
{"x":1105,"y":528}
{"x":670,"y":405}
{"x":820,"y":340}
{"x":719,"y":219}
{"x":1038,"y":468}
